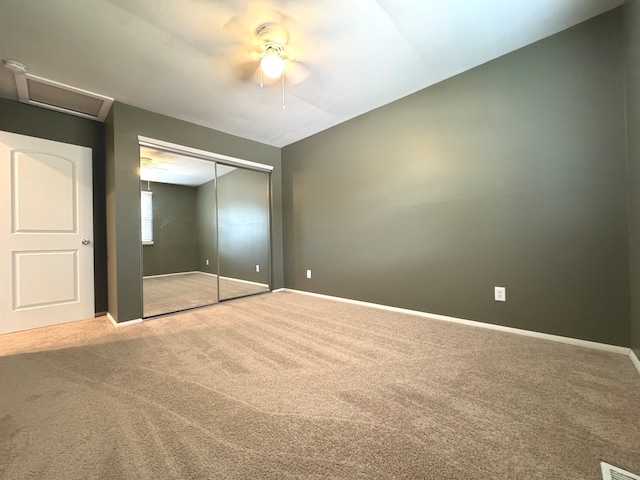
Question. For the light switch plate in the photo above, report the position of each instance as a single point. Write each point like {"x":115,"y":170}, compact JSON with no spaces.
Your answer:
{"x":500,"y":294}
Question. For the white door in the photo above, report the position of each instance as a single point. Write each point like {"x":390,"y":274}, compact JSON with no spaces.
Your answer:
{"x":46,"y":213}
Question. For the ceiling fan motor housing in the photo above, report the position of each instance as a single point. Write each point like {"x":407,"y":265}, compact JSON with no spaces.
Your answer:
{"x":272,"y":38}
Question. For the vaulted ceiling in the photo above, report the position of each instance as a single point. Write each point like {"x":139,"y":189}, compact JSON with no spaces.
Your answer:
{"x":190,"y":59}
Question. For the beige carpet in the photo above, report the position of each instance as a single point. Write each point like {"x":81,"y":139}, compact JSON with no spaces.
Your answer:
{"x":171,"y":293}
{"x":289,"y":386}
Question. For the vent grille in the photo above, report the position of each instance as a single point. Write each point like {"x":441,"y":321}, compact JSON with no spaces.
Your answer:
{"x":609,"y":472}
{"x":63,"y":98}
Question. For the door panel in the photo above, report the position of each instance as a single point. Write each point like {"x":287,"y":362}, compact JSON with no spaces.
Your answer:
{"x":30,"y":212}
{"x":33,"y":290}
{"x":46,"y":211}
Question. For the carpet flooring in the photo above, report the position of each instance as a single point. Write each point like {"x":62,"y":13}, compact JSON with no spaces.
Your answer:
{"x":289,"y":386}
{"x":171,"y":293}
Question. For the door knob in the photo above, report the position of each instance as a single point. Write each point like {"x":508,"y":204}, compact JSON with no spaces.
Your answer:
{"x":86,"y":241}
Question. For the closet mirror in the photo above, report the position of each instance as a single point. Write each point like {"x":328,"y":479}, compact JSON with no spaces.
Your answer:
{"x":178,"y":230}
{"x":243,"y":232}
{"x":204,"y":231}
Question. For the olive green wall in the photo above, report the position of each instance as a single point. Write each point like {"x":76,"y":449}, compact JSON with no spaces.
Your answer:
{"x":123,"y":200}
{"x":25,"y":119}
{"x":512,"y":174}
{"x":243,"y":225}
{"x":632,"y":43}
{"x":175,"y":230}
{"x":207,"y":237}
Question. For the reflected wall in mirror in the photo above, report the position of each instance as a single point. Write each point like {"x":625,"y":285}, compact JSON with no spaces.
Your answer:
{"x":243,"y":232}
{"x":178,"y":232}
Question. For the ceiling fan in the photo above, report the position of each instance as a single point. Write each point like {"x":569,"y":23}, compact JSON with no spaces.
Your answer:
{"x":272,"y":53}
{"x":271,"y":49}
{"x":147,"y":164}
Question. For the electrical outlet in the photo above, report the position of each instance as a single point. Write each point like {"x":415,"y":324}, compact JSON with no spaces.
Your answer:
{"x":500,"y":294}
{"x":308,"y":273}
{"x":257,"y":268}
{"x":207,"y":261}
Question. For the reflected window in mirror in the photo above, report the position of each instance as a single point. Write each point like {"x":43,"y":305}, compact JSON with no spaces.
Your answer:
{"x":146,"y":211}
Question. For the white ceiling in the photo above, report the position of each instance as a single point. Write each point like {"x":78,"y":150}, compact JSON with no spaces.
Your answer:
{"x":181,"y":57}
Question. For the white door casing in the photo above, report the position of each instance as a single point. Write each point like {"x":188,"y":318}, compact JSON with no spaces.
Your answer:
{"x":46,"y":211}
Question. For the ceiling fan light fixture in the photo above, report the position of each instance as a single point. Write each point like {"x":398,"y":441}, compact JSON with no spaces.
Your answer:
{"x":272,"y":65}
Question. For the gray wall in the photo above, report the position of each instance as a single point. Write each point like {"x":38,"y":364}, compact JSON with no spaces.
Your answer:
{"x":632,"y":43}
{"x":123,"y":126}
{"x":175,"y":230}
{"x":25,"y":119}
{"x":206,"y":212}
{"x":511,"y":174}
{"x":243,"y":225}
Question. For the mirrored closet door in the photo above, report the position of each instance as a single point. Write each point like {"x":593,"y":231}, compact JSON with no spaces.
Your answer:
{"x":178,"y":232}
{"x":204,"y":231}
{"x":243,"y":232}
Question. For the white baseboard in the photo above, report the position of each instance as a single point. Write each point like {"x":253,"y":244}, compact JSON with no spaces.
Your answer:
{"x":472,"y":323}
{"x":123,"y":324}
{"x":205,"y":273}
{"x":280,"y":290}
{"x":634,"y":359}
{"x":169,"y":274}
{"x":264,"y":285}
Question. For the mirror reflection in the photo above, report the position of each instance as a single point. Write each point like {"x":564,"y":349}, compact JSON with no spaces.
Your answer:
{"x":178,"y":223}
{"x":200,"y":218}
{"x":243,"y":232}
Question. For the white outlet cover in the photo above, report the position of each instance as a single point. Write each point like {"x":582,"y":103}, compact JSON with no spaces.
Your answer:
{"x":500,"y":294}
{"x":257,"y":268}
{"x":308,"y":273}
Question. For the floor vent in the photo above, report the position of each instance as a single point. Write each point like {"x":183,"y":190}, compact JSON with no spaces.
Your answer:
{"x":609,"y":472}
{"x":46,"y":93}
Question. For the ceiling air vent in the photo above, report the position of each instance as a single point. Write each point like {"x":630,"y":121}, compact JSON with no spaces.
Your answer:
{"x":46,"y":93}
{"x":609,"y":472}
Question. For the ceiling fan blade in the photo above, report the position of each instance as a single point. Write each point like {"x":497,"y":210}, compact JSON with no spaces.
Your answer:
{"x":245,"y":71}
{"x":254,"y":13}
{"x":236,"y":29}
{"x":148,"y":164}
{"x":292,"y":27}
{"x":296,"y":73}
